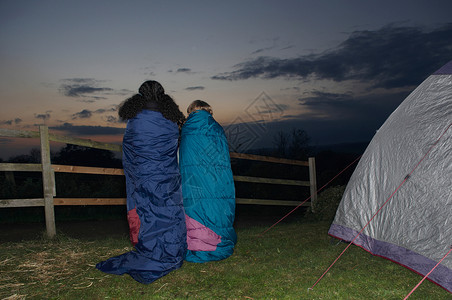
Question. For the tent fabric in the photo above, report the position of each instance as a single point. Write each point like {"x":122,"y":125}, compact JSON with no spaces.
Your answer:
{"x":208,"y":189}
{"x":414,"y":228}
{"x":154,"y":200}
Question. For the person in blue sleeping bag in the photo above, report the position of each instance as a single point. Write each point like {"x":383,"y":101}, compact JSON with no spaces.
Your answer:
{"x":207,"y":186}
{"x":153,"y":184}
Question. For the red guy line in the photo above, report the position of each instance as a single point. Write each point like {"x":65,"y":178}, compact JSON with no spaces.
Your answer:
{"x":428,"y":274}
{"x":309,"y":197}
{"x":400,"y":185}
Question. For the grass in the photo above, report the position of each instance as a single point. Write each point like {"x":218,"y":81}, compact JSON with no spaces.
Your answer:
{"x":281,"y":264}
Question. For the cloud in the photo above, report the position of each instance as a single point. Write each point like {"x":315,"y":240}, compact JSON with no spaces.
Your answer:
{"x":262,"y":50}
{"x":88,"y":130}
{"x":10,"y":122}
{"x":84,"y":114}
{"x":103,"y":110}
{"x":86,"y":88}
{"x":44,"y":116}
{"x":275,"y":44}
{"x":183,"y":70}
{"x":390,"y":57}
{"x":194,"y":88}
{"x":81,"y":90}
{"x":270,"y":48}
{"x":347,"y":106}
{"x":288,"y":47}
{"x":112,"y":119}
{"x":123,"y":92}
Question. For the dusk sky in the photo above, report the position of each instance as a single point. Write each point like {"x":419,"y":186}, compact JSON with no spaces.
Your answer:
{"x":336,"y":69}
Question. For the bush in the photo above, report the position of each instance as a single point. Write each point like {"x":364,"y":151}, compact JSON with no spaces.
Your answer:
{"x":326,"y":205}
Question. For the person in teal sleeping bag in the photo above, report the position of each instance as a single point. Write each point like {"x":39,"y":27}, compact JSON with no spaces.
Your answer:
{"x":207,"y":186}
{"x":153,"y":184}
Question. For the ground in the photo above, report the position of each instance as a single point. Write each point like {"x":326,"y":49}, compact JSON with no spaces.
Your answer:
{"x":93,"y":229}
{"x":75,"y":229}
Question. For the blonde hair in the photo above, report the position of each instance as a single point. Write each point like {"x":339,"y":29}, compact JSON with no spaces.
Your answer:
{"x":199,"y":104}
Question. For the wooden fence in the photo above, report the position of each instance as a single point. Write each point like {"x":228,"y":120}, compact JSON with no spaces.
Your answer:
{"x":48,"y":176}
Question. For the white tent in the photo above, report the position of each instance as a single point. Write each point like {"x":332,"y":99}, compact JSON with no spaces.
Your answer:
{"x":408,"y":166}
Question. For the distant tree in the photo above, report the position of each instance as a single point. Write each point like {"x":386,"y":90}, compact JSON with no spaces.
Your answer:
{"x":299,"y":147}
{"x":295,"y":145}
{"x":33,"y":158}
{"x":85,"y":156}
{"x":280,"y":140}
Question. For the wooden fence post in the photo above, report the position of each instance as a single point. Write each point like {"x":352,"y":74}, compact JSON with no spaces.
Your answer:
{"x":47,"y":181}
{"x":313,"y":182}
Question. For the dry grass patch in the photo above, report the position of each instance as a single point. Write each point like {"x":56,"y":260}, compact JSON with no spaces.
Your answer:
{"x":44,"y":265}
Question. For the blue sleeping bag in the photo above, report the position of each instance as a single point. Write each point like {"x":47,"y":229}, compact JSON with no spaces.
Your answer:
{"x":208,"y":189}
{"x":154,"y":200}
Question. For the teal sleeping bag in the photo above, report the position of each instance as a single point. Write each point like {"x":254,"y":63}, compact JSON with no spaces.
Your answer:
{"x":207,"y":188}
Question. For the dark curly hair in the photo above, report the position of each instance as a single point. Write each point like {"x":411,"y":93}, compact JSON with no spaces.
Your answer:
{"x":151,"y":95}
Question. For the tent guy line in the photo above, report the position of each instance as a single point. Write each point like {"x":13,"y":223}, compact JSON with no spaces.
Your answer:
{"x":422,"y":280}
{"x":261,"y":234}
{"x":378,"y":211}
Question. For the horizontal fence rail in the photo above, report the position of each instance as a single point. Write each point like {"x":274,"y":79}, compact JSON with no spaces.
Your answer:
{"x":48,"y":173}
{"x":269,"y":159}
